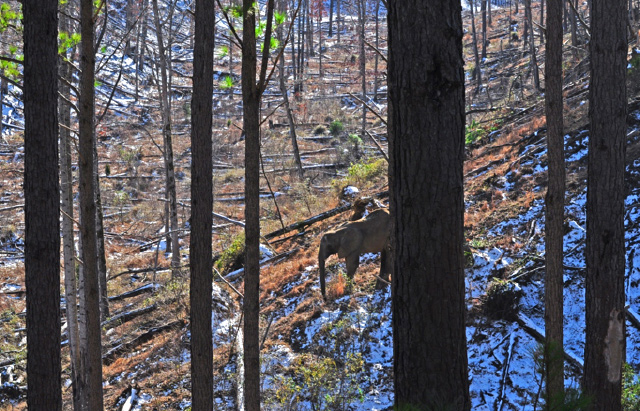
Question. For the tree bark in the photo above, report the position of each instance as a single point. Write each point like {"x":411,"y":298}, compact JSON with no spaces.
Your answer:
{"x":363,"y":67}
{"x":201,"y":267}
{"x":532,"y":45}
{"x":68,"y":240}
{"x":42,"y":205}
{"x":90,"y":350}
{"x":477,"y":73}
{"x":251,"y":304}
{"x":168,"y":148}
{"x":605,"y":249}
{"x":102,"y":258}
{"x":287,"y":107}
{"x":427,"y":111}
{"x":554,"y":252}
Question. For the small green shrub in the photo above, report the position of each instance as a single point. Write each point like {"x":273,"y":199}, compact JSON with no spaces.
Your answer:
{"x":473,"y":132}
{"x":366,"y":171}
{"x":630,"y":389}
{"x":336,"y":127}
{"x":231,"y":254}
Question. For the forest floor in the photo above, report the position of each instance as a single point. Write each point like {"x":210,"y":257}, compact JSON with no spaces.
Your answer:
{"x":335,"y":354}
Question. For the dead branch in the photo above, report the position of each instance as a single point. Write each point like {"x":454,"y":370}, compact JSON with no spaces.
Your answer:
{"x":127,"y":316}
{"x":110,"y":356}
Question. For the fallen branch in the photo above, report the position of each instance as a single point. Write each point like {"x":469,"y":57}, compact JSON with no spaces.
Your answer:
{"x":235,"y":274}
{"x":127,"y":316}
{"x":110,"y":356}
{"x":140,"y":290}
{"x":386,"y":157}
{"x":528,"y":325}
{"x":301,"y":225}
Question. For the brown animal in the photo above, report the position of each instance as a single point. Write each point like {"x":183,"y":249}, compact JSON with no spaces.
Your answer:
{"x":351,"y":239}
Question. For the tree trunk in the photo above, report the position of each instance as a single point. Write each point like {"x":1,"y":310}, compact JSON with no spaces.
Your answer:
{"x":320,"y":43}
{"x":172,"y":227}
{"x":532,"y":45}
{"x":553,"y":296}
{"x":375,"y":64}
{"x":42,"y":205}
{"x":90,"y":350}
{"x":68,"y":241}
{"x":102,"y":258}
{"x":605,"y":249}
{"x":429,"y":341}
{"x":338,"y":18}
{"x":201,"y":267}
{"x":287,"y":107}
{"x":575,"y":39}
{"x":483,"y":9}
{"x":477,"y":73}
{"x":363,"y":67}
{"x":251,"y":305}
{"x":331,"y":6}
{"x":542,"y":21}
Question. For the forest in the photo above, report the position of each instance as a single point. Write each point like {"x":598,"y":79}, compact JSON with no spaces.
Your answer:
{"x":319,"y":205}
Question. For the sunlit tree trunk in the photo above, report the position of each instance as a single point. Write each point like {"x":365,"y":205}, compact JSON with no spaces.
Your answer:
{"x":172,"y":227}
{"x":68,"y":237}
{"x":90,"y":347}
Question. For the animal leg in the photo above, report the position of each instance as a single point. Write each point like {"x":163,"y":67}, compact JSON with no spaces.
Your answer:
{"x":353,"y":261}
{"x":385,"y":269}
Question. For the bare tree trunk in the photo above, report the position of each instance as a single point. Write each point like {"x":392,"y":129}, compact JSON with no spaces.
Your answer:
{"x":311,"y":52}
{"x":331,"y":6}
{"x":542,"y":21}
{"x":605,"y":344}
{"x":292,"y":123}
{"x":575,"y":39}
{"x":42,"y":202}
{"x":102,"y":259}
{"x":554,"y":252}
{"x":339,"y":18}
{"x":428,"y":290}
{"x":483,"y":8}
{"x":532,"y":45}
{"x":375,"y":68}
{"x":201,"y":262}
{"x":251,"y":303}
{"x":68,"y":241}
{"x":90,"y":349}
{"x":320,"y":43}
{"x":172,"y":227}
{"x":477,"y":72}
{"x":363,"y":67}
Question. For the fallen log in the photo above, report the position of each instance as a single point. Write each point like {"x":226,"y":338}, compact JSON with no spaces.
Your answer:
{"x":301,"y":225}
{"x":140,"y":290}
{"x":127,"y":316}
{"x":110,"y":356}
{"x":528,"y":325}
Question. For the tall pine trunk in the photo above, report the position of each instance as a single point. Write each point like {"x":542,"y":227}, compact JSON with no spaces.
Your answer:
{"x":201,"y":262}
{"x":170,"y":187}
{"x":605,"y":345}
{"x":90,"y":347}
{"x":553,"y":296}
{"x":42,"y":205}
{"x":426,"y":110}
